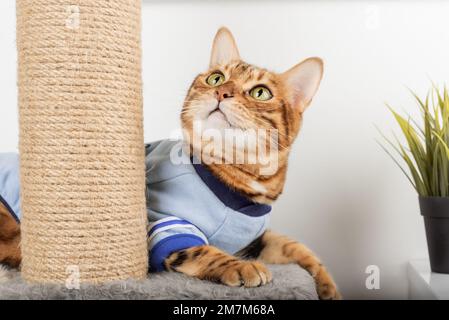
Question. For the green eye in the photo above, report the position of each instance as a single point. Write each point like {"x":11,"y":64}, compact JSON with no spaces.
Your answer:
{"x":261,"y":93}
{"x":215,"y":79}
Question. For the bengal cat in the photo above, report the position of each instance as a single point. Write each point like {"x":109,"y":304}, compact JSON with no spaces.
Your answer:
{"x":235,"y":95}
{"x":231,"y":95}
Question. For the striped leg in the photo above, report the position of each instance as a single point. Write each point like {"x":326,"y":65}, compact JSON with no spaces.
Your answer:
{"x":209,"y":263}
{"x":9,"y":239}
{"x":278,"y":249}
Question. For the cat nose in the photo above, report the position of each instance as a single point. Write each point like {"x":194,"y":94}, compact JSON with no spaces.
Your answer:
{"x":224,"y":92}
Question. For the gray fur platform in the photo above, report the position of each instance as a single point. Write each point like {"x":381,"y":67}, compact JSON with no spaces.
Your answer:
{"x":289,"y":282}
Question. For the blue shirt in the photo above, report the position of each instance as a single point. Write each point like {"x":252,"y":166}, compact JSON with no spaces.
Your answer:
{"x":9,"y":183}
{"x":187,"y":206}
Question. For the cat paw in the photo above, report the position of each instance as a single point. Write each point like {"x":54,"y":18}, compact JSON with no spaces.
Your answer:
{"x":326,"y":288}
{"x":247,"y":274}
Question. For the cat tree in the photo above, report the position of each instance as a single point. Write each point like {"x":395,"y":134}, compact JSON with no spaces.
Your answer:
{"x":82,"y":161}
{"x":81,"y":140}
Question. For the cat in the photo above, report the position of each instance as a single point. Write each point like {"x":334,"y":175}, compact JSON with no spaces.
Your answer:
{"x":9,"y":238}
{"x":234,"y":95}
{"x":216,"y":209}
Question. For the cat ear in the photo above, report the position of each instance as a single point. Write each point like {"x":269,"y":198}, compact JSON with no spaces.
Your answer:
{"x":303,"y":81}
{"x":224,"y":48}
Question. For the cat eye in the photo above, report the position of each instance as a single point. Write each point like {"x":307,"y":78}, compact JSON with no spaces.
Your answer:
{"x":261,"y":93}
{"x":215,"y":79}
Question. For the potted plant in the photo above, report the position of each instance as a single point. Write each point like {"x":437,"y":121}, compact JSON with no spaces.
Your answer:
{"x":426,"y":154}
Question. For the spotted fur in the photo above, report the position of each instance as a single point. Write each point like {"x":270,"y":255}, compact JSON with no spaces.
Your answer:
{"x":276,"y":114}
{"x":292,"y":92}
{"x":278,"y":249}
{"x":246,"y":268}
{"x":210,"y":263}
{"x":9,"y":239}
{"x":284,"y":112}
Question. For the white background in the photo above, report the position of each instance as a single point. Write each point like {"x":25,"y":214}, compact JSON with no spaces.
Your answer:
{"x":344,"y":197}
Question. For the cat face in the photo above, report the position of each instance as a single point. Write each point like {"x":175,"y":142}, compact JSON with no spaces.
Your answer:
{"x":234,"y":98}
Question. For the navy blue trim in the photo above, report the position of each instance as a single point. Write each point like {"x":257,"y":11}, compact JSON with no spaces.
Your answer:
{"x":147,"y":148}
{"x":11,"y":211}
{"x":229,"y":197}
{"x":167,"y":246}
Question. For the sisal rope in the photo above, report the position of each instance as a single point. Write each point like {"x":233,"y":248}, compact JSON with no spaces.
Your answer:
{"x":81,"y":140}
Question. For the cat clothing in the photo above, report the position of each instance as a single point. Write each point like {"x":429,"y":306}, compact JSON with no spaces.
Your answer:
{"x":9,"y":183}
{"x":188,"y":206}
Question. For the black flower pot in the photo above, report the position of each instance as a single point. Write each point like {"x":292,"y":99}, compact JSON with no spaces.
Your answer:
{"x":435,"y":211}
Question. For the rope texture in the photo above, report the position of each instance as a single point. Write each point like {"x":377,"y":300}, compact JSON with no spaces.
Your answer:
{"x":81,"y":140}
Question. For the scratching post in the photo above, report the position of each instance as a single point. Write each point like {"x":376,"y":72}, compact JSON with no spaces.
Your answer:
{"x":81,"y":140}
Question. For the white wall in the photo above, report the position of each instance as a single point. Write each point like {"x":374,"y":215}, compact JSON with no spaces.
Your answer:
{"x":344,"y":197}
{"x":8,"y":76}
